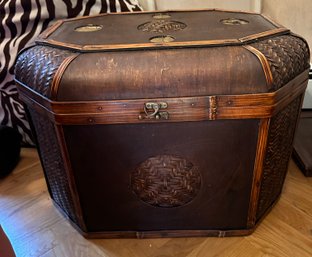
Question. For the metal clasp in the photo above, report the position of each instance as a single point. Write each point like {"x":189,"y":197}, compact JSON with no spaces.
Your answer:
{"x":154,"y":111}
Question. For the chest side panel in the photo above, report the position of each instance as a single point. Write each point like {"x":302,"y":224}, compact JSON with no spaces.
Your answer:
{"x":131,"y":177}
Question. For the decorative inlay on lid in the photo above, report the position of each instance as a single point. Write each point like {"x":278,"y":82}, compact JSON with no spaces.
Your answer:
{"x":161,"y":26}
{"x":88,"y":28}
{"x":166,"y":181}
{"x":162,"y":39}
{"x":234,"y":21}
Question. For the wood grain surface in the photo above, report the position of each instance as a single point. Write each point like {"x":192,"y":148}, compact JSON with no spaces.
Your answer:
{"x":36,"y":228}
{"x":197,"y":108}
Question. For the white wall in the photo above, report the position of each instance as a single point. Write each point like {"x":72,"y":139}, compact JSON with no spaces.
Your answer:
{"x":245,"y":5}
{"x":293,"y":14}
{"x":148,"y":5}
{"x":296,"y":15}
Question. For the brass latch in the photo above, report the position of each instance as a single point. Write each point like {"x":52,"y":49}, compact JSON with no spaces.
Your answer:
{"x":154,"y":111}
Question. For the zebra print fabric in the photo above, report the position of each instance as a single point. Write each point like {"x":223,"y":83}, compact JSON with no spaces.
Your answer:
{"x":21,"y":22}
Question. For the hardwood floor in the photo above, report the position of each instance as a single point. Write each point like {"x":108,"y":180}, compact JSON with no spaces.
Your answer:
{"x":36,"y":228}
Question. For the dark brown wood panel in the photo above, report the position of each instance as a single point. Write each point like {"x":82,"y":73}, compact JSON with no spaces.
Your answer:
{"x":104,"y":157}
{"x":162,"y":73}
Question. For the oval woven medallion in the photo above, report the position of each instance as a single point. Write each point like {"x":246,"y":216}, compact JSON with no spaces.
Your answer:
{"x":161,"y":26}
{"x":166,"y":181}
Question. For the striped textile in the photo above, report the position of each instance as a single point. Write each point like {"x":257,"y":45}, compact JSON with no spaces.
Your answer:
{"x":21,"y":22}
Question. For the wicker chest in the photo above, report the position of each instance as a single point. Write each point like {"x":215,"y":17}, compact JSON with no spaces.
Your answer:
{"x":177,"y":123}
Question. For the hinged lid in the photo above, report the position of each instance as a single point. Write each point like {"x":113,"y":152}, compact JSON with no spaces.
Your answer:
{"x":163,"y":29}
{"x":196,"y":65}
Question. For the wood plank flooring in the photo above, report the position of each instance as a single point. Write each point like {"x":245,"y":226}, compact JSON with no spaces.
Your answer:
{"x":36,"y":228}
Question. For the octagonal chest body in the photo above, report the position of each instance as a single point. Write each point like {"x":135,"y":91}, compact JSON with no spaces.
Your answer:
{"x":177,"y":123}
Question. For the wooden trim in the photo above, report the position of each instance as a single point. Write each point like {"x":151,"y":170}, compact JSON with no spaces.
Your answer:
{"x":276,"y":32}
{"x":71,"y":179}
{"x":58,"y":76}
{"x":162,"y":233}
{"x":65,"y":215}
{"x":262,"y":105}
{"x":258,"y":169}
{"x":264,"y":63}
{"x":149,"y":45}
{"x":168,"y":233}
{"x":155,"y":234}
{"x":260,"y":219}
{"x":51,"y":29}
{"x":199,"y":108}
{"x":213,"y":107}
{"x":146,"y":45}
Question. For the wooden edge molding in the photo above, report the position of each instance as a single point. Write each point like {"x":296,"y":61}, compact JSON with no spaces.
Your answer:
{"x":51,"y":29}
{"x":155,"y":234}
{"x":68,"y":169}
{"x":275,"y":32}
{"x":150,"y":45}
{"x":58,"y":76}
{"x":145,"y":45}
{"x":195,"y":108}
{"x":162,"y":233}
{"x":259,"y":220}
{"x":167,"y":234}
{"x":264,"y":63}
{"x":258,"y":168}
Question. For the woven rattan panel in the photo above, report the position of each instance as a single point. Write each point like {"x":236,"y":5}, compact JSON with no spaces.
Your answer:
{"x":278,"y":152}
{"x":288,"y":56}
{"x":37,"y":68}
{"x":166,"y":181}
{"x":53,"y":164}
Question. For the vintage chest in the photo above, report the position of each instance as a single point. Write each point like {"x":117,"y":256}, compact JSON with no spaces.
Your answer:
{"x":178,"y":123}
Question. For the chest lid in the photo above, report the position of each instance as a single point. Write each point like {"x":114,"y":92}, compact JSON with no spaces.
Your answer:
{"x":155,"y":30}
{"x":169,"y":66}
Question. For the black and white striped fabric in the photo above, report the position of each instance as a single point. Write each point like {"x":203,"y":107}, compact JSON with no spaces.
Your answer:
{"x":21,"y":22}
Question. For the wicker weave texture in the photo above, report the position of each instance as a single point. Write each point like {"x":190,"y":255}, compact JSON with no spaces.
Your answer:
{"x":288,"y":56}
{"x":166,"y":181}
{"x":37,"y":68}
{"x":279,"y":148}
{"x":53,"y":164}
